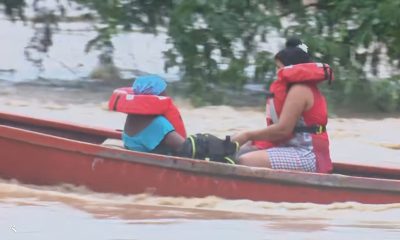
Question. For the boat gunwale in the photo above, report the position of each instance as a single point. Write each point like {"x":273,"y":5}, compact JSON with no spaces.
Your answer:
{"x":200,"y":166}
{"x":65,"y":126}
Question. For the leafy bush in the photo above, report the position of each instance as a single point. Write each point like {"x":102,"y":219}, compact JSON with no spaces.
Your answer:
{"x":218,"y":44}
{"x":386,"y":94}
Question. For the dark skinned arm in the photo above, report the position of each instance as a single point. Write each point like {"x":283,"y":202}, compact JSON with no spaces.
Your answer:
{"x":299,"y":99}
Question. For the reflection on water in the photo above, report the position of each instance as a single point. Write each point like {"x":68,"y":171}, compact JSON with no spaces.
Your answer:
{"x":66,"y":212}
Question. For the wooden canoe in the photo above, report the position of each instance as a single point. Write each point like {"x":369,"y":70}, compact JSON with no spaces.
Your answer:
{"x":45,"y":152}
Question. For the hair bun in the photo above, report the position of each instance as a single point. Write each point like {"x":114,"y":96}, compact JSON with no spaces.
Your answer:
{"x":293,"y":42}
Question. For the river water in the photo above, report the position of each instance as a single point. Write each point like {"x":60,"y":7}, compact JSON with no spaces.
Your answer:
{"x":73,"y":212}
{"x":66,"y":212}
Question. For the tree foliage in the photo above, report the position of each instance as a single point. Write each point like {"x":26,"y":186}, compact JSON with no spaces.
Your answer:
{"x":219,"y":43}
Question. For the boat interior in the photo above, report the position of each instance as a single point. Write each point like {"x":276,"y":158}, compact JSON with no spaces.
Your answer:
{"x":94,"y":137}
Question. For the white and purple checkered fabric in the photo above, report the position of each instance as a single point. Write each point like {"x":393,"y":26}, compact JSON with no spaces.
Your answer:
{"x":291,"y":158}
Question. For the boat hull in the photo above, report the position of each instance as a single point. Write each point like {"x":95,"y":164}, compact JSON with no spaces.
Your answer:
{"x":42,"y":159}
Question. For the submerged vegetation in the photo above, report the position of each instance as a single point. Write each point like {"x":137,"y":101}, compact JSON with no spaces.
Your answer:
{"x":221,"y":44}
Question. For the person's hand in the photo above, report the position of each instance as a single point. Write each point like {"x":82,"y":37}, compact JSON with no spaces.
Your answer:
{"x":241,"y":138}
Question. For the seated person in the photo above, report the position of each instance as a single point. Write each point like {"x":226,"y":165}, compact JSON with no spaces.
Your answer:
{"x":153,"y":123}
{"x":295,"y":137}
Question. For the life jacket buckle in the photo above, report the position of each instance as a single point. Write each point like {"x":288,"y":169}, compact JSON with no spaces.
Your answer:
{"x":320,"y":129}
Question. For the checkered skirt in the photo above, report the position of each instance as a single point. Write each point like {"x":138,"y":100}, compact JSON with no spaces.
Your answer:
{"x":292,"y":158}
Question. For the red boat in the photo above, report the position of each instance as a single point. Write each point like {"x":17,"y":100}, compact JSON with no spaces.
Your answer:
{"x":44,"y":152}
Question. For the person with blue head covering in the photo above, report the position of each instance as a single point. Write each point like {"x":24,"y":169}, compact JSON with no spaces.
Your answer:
{"x":150,"y":133}
{"x":146,"y":130}
{"x":149,"y":85}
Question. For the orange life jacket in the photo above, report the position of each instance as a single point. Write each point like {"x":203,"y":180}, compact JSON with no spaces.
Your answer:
{"x":125,"y":101}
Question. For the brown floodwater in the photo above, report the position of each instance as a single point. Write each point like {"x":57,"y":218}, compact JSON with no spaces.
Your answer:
{"x":71,"y":212}
{"x":67,"y":212}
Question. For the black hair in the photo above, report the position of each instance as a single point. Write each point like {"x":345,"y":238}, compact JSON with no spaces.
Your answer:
{"x":292,"y":54}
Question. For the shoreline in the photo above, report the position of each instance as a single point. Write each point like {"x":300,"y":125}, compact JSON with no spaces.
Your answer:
{"x":97,"y":91}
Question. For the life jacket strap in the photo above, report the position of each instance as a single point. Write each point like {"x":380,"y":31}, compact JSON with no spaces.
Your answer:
{"x":314,"y":129}
{"x":272,"y":111}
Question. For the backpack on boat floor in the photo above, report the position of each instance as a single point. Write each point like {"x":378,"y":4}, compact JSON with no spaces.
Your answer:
{"x":209,"y":147}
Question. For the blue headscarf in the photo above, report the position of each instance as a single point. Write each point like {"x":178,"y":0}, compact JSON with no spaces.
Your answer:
{"x":149,"y":85}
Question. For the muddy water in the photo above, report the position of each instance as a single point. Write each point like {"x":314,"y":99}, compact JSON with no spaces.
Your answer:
{"x":67,"y":212}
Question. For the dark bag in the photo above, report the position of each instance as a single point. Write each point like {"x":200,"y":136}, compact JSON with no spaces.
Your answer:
{"x":210,"y":147}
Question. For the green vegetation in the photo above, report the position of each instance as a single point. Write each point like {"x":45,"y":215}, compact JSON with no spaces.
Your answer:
{"x":216,"y":44}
